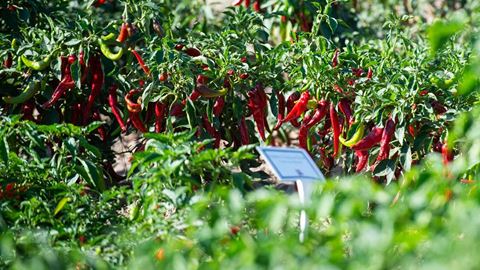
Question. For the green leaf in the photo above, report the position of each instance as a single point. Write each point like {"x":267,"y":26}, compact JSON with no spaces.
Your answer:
{"x":4,"y":149}
{"x":440,"y":32}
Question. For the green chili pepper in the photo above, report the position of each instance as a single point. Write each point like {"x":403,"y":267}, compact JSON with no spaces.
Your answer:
{"x":355,"y":138}
{"x":37,"y":65}
{"x":27,"y":94}
{"x":106,"y":50}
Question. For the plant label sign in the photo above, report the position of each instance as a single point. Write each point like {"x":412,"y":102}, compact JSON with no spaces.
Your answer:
{"x":291,"y":164}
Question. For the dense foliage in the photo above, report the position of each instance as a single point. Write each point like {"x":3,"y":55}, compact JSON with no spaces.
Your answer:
{"x":382,"y":95}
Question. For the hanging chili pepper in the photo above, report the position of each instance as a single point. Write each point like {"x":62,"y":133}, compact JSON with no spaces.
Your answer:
{"x":123,"y":35}
{"x":373,"y":138}
{"x":344,"y":106}
{"x":247,"y":3}
{"x":320,"y":113}
{"x":370,"y":73}
{"x":447,"y":154}
{"x":355,"y":138}
{"x":160,"y":110}
{"x":336,"y":129}
{"x":438,"y":107}
{"x":101,"y":129}
{"x":177,"y":110}
{"x":96,"y":85}
{"x":303,"y":132}
{"x":193,"y":52}
{"x":244,"y":135}
{"x":141,"y":62}
{"x":335,"y":58}
{"x":257,"y":104}
{"x":281,"y":110}
{"x":27,"y":110}
{"x":290,"y":104}
{"x":37,"y":65}
{"x":28,"y":93}
{"x":9,"y":61}
{"x":387,"y":135}
{"x":362,"y":160}
{"x":218,"y":106}
{"x":113,"y":102}
{"x":299,"y":107}
{"x":205,"y":91}
{"x":150,"y":112}
{"x":211,"y":131}
{"x":103,"y":43}
{"x":76,"y":114}
{"x":134,"y":109}
{"x":257,"y":6}
{"x":65,"y":84}
{"x":357,"y":72}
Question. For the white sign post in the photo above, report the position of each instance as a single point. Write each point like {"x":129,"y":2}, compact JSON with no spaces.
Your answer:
{"x":294,"y":165}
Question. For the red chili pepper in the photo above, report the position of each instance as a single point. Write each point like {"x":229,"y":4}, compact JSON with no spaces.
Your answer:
{"x":423,"y":93}
{"x":370,"y":73}
{"x":113,"y":102}
{"x":27,"y":110}
{"x":123,"y":35}
{"x":179,"y":47}
{"x":387,"y":135}
{"x":320,"y":113}
{"x":362,"y":160}
{"x":244,"y":76}
{"x":96,"y":85}
{"x":134,"y":111}
{"x":99,"y":3}
{"x":304,"y":23}
{"x":290,"y":104}
{"x":244,"y":131}
{"x":101,"y":129}
{"x":373,"y":138}
{"x":303,"y":132}
{"x":218,"y":106}
{"x":447,"y":154}
{"x":193,"y":52}
{"x":160,"y":110}
{"x":247,"y":3}
{"x":281,"y":110}
{"x":150,"y":112}
{"x":257,"y":6}
{"x":202,"y":79}
{"x":177,"y":110}
{"x":357,"y":72}
{"x":299,"y":108}
{"x":77,"y":112}
{"x":336,"y":129}
{"x":257,"y":104}
{"x":9,"y":61}
{"x":211,"y":131}
{"x":337,"y":89}
{"x":66,"y":84}
{"x":438,"y":107}
{"x":335,"y":58}
{"x":237,"y":2}
{"x":141,"y":62}
{"x":344,"y":106}
{"x":163,"y":77}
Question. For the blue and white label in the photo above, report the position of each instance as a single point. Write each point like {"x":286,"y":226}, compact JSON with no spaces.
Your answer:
{"x":291,"y":164}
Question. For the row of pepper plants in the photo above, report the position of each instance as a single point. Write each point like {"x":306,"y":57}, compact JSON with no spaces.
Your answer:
{"x":375,"y":105}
